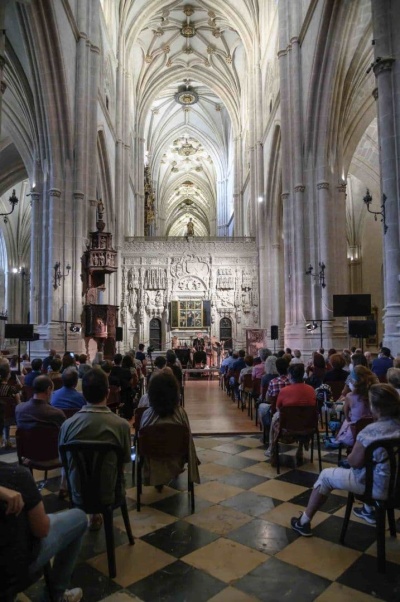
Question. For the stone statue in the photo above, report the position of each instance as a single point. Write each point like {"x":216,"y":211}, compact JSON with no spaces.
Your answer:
{"x":189,"y":229}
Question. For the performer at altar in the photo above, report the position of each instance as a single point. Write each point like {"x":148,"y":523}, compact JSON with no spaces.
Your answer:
{"x":198,"y":343}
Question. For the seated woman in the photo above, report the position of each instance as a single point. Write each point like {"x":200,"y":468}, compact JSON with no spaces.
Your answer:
{"x":385,"y":406}
{"x":164,"y":408}
{"x":316,"y":371}
{"x":337,"y":373}
{"x":356,"y":403}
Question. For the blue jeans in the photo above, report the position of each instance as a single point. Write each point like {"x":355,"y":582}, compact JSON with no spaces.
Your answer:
{"x":63,"y":542}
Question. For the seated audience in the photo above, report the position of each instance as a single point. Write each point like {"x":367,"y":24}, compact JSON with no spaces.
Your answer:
{"x":96,"y":422}
{"x":382,"y":363}
{"x":26,"y":365}
{"x":55,"y":372}
{"x":83,"y":365}
{"x":164,"y":408}
{"x":47,"y":360}
{"x":68,"y":360}
{"x":30,"y":537}
{"x":226,"y":363}
{"x":316,"y":371}
{"x":259,"y":369}
{"x":337,"y":373}
{"x":267,"y":409}
{"x":170,"y":356}
{"x":385,"y":405}
{"x":36,"y":371}
{"x":297,"y":393}
{"x":68,"y":398}
{"x":38,"y":411}
{"x":7,"y":390}
{"x":116,"y":371}
{"x":128,"y":380}
{"x":270,"y":372}
{"x":296,"y":359}
{"x":393,"y":378}
{"x":356,"y":403}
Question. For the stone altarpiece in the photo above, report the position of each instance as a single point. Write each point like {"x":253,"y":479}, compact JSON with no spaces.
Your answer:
{"x":154,"y":273}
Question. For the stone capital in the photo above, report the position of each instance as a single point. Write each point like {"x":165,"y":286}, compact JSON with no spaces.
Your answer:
{"x":282,"y":53}
{"x":323,"y":186}
{"x":375,"y":93}
{"x":93,"y":202}
{"x":342,"y":187}
{"x":79,"y":195}
{"x":55,"y":192}
{"x":285,"y":196}
{"x":299,"y":188}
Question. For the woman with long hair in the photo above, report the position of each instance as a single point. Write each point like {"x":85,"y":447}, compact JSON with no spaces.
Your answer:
{"x":356,"y":403}
{"x":164,"y":397}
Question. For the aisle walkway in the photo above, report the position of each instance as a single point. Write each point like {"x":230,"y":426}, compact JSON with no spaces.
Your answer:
{"x":211,"y":411}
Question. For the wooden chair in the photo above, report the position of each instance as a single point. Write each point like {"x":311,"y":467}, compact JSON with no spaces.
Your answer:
{"x":88,"y":458}
{"x":8,"y":404}
{"x":160,"y":442}
{"x":37,"y":448}
{"x":299,"y":422}
{"x":355,"y":428}
{"x":24,"y":581}
{"x":114,"y":398}
{"x":57,"y":382}
{"x":389,"y":454}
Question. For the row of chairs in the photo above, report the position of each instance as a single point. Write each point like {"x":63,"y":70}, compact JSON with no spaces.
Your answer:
{"x":38,"y":449}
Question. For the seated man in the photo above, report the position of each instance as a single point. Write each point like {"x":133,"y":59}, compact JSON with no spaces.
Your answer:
{"x":55,"y":373}
{"x":68,"y":398}
{"x":385,"y":406}
{"x":234,"y":372}
{"x":382,"y":363}
{"x":38,"y":411}
{"x":36,"y":371}
{"x":274,"y":387}
{"x":297,"y":393}
{"x":30,"y":537}
{"x":96,"y":422}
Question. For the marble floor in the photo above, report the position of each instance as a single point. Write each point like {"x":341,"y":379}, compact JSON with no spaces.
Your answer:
{"x":237,"y":546}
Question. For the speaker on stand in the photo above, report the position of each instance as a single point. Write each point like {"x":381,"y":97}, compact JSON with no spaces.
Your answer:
{"x":274,"y":334}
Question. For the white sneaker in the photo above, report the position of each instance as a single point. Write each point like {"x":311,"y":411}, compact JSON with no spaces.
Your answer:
{"x":268,"y":453}
{"x":71,"y":595}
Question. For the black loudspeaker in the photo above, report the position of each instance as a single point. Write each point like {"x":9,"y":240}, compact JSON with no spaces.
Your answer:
{"x":274,"y":333}
{"x":24,"y":332}
{"x":362,"y":329}
{"x":119,"y":337}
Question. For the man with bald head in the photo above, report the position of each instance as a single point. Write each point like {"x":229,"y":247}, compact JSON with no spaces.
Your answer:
{"x":38,"y":411}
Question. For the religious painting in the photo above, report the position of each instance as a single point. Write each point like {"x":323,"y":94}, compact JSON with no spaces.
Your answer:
{"x":256,"y":338}
{"x":190,"y":314}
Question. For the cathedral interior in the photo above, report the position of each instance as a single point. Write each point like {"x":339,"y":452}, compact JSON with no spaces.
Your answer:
{"x":171,"y":169}
{"x":222,"y":152}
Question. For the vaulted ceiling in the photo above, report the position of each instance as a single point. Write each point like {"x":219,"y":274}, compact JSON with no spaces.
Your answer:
{"x":188,"y":66}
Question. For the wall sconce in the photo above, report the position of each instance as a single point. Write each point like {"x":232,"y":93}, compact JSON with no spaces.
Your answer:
{"x":311,"y":326}
{"x":368,"y":200}
{"x":320,"y":275}
{"x":58,"y":275}
{"x":13,"y":200}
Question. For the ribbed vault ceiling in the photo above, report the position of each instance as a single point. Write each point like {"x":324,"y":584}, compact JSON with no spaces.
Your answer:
{"x":188,"y":66}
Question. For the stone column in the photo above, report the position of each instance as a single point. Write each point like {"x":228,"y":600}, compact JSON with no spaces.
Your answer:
{"x":2,"y":56}
{"x":386,"y":24}
{"x":238,"y":192}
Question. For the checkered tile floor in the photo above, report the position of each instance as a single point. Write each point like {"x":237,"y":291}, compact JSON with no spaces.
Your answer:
{"x":238,"y":546}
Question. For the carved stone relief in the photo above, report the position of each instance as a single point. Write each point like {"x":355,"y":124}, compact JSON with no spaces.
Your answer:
{"x":222,"y":272}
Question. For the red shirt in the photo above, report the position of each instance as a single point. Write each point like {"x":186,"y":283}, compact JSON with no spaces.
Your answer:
{"x":297,"y":394}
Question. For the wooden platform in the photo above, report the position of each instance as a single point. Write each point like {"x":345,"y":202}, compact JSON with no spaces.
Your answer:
{"x":211,"y":411}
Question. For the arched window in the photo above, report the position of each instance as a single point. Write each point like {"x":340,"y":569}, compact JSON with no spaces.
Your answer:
{"x":155,"y":334}
{"x":225,"y":331}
